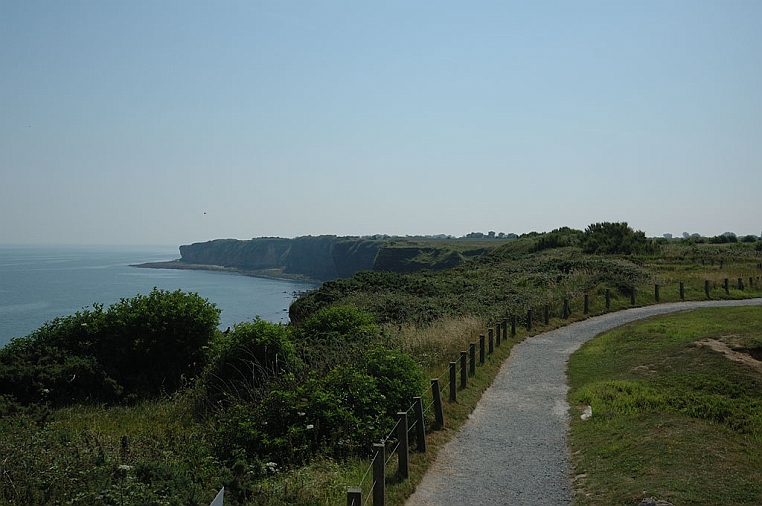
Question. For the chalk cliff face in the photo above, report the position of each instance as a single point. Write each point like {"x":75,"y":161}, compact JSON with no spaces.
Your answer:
{"x":323,"y":257}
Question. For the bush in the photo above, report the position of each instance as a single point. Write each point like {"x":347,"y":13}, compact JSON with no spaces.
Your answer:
{"x":615,"y":238}
{"x":139,"y":347}
{"x":245,"y":359}
{"x":339,"y":414}
{"x":398,"y":377}
{"x":347,"y":323}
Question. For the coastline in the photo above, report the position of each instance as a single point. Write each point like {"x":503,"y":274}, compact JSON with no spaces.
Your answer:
{"x":255,"y":273}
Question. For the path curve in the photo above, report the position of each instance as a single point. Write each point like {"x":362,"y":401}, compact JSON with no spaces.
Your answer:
{"x":512,"y":450}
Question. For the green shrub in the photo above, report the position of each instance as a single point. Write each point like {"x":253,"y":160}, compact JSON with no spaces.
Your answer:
{"x":244,"y":360}
{"x":615,"y":238}
{"x":344,"y":322}
{"x":398,"y":377}
{"x":139,"y":347}
{"x":340,"y":414}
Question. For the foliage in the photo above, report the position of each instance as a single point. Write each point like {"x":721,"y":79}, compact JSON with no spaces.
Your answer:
{"x":337,"y":414}
{"x":508,"y":280}
{"x":245,"y":359}
{"x":614,"y":238}
{"x":559,"y":238}
{"x":341,"y":322}
{"x":137,"y":348}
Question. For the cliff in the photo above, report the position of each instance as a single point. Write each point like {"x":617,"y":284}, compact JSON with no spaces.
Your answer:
{"x":327,"y":257}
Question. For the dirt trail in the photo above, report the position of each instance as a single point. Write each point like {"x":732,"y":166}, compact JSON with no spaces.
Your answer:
{"x":513,"y":450}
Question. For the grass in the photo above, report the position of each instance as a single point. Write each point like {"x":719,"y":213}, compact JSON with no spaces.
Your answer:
{"x":671,"y":419}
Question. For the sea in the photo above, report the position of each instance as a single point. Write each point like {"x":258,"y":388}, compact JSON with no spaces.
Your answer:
{"x":40,"y":283}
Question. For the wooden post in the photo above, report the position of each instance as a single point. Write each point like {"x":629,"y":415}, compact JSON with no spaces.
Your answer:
{"x":740,"y":284}
{"x":379,"y":474}
{"x":656,"y":292}
{"x":354,"y":497}
{"x":706,"y":288}
{"x":547,"y":314}
{"x":505,"y":329}
{"x":632,"y":296}
{"x":481,"y":349}
{"x":491,"y":338}
{"x":491,"y":342}
{"x":436,"y":394}
{"x":608,"y":299}
{"x":513,"y":326}
{"x":453,"y":387}
{"x":587,"y":304}
{"x":565,"y":311}
{"x":472,"y":359}
{"x":497,"y":335}
{"x":403,"y":450}
{"x":529,"y":320}
{"x":420,"y":425}
{"x":463,"y":369}
{"x":727,"y":286}
{"x":682,"y":290}
{"x":751,"y":282}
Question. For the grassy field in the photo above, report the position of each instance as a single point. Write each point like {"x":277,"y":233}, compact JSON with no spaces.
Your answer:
{"x":675,"y":416}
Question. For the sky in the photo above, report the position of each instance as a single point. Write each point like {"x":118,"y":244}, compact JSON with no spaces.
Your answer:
{"x":171,"y":122}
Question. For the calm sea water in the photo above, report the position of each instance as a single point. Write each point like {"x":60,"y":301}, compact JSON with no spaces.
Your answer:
{"x":38,"y":284}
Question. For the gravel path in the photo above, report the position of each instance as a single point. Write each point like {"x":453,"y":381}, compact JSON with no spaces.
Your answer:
{"x":512,"y":450}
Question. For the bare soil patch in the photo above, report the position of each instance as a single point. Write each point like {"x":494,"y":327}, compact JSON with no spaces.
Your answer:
{"x":742,"y":356}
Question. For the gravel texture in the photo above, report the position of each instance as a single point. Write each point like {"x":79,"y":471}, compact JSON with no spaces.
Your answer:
{"x":513,"y":450}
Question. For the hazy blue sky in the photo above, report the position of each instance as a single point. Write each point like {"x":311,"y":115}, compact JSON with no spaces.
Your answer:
{"x":170,"y":122}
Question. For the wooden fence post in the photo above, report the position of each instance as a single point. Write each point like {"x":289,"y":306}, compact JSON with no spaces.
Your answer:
{"x":497,"y":334}
{"x":608,"y":299}
{"x":682,"y":290}
{"x":491,"y":343}
{"x":656,"y":292}
{"x":403,"y":450}
{"x":472,"y":359}
{"x":379,"y":474}
{"x":751,"y":282}
{"x":453,"y":388}
{"x":547,"y":314}
{"x":740,"y":284}
{"x":727,"y":286}
{"x":354,"y":497}
{"x":505,"y":329}
{"x":436,"y":394}
{"x":587,"y":304}
{"x":481,"y":349}
{"x":706,"y":288}
{"x":513,"y":326}
{"x":491,"y":339}
{"x":632,"y":296}
{"x":529,"y":320}
{"x":463,"y":369}
{"x":565,"y":312}
{"x":420,"y":425}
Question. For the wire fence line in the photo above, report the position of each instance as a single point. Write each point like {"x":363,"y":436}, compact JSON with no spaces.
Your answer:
{"x":465,"y":366}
